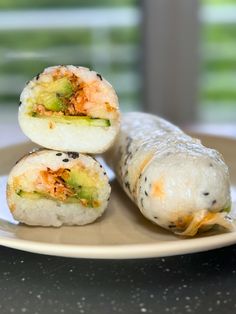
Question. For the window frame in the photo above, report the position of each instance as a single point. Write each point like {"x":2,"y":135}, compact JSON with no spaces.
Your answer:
{"x":171,"y":58}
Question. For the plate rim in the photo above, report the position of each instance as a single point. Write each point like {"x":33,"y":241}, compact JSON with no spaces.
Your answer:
{"x":123,"y":251}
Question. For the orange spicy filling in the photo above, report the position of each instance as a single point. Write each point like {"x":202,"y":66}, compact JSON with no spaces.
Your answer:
{"x":65,"y":185}
{"x":67,"y":95}
{"x":53,"y":183}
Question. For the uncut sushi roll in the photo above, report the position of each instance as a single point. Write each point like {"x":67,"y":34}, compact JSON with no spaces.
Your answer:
{"x":53,"y":188}
{"x":175,"y":181}
{"x":70,"y":108}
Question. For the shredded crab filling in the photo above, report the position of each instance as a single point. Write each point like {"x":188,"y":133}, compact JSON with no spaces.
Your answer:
{"x":59,"y":185}
{"x":67,"y":95}
{"x":190,"y":225}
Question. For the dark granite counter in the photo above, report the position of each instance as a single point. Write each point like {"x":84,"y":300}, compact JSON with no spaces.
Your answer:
{"x":196,"y":283}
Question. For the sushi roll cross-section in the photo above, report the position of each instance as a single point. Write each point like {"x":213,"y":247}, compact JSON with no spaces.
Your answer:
{"x":52,"y":188}
{"x":70,"y":108}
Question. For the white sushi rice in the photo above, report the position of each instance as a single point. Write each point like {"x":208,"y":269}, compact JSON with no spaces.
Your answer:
{"x":69,"y":136}
{"x":47,"y":212}
{"x":185,"y":178}
{"x":64,"y":137}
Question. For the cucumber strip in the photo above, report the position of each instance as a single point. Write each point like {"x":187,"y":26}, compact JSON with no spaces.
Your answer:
{"x":77,"y":120}
{"x":227,"y":209}
{"x":37,"y":195}
{"x":29,"y":195}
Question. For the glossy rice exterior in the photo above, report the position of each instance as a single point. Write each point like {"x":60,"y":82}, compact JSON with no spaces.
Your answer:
{"x":69,"y":137}
{"x":175,"y":181}
{"x":48,"y":212}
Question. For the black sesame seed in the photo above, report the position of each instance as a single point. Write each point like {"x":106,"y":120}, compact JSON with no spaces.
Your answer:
{"x":141,"y":202}
{"x":145,"y":179}
{"x":65,"y":160}
{"x":127,"y":184}
{"x":20,"y":103}
{"x":99,"y":75}
{"x":73,"y":155}
{"x":37,"y":76}
{"x":100,"y":166}
{"x":172,"y":226}
{"x":146,"y":193}
{"x":104,"y":173}
{"x":206,"y":193}
{"x":129,"y":141}
{"x":213,"y":202}
{"x":58,"y":154}
{"x":210,"y":165}
{"x":155,"y":217}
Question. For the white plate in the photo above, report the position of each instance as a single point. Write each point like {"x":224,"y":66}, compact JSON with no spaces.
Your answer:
{"x":121,"y":233}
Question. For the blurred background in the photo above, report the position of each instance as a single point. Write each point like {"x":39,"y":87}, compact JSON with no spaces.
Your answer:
{"x":173,"y":58}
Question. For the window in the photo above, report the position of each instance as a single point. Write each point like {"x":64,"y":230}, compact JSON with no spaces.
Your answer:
{"x":100,"y":35}
{"x":218,"y":61}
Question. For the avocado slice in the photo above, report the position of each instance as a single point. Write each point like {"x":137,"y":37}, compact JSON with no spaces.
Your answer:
{"x":61,"y":87}
{"x":52,"y":102}
{"x":227,"y":209}
{"x":83,"y":185}
{"x":51,"y":94}
{"x":29,"y":195}
{"x":86,"y":192}
{"x":78,"y":178}
{"x":77,"y":120}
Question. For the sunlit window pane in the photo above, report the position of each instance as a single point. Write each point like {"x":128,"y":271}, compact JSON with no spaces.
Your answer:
{"x":104,"y":36}
{"x":218,"y":59}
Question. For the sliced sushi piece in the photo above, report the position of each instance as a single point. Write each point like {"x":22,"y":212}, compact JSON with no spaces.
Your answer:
{"x":70,"y":108}
{"x":52,"y":188}
{"x":175,"y":181}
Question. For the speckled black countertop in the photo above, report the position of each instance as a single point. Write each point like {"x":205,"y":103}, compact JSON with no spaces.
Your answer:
{"x":196,"y":283}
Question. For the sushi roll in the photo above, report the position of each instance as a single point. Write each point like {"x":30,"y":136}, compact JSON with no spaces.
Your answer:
{"x":53,"y":188}
{"x":175,"y":181}
{"x":70,"y":108}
